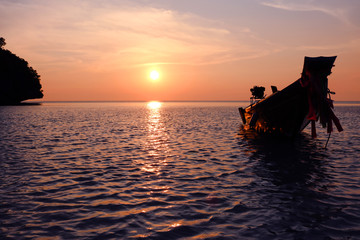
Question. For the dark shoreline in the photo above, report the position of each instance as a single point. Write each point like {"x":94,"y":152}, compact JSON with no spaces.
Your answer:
{"x":21,"y":104}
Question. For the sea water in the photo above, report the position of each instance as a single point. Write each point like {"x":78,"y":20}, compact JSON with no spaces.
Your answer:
{"x":172,"y":171}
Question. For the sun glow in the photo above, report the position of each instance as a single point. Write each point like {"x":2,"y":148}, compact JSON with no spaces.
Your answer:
{"x":154,"y":75}
{"x":154,"y":105}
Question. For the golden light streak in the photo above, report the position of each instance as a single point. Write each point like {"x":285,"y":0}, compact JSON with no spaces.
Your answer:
{"x":154,"y":105}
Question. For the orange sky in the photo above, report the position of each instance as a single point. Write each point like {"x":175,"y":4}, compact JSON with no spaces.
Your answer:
{"x":203,"y":49}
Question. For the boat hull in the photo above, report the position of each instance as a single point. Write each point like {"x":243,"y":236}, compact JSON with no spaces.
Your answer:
{"x":289,"y":111}
{"x":284,"y":112}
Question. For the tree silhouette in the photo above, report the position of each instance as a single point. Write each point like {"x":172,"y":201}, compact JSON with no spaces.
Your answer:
{"x":18,"y":81}
{"x":2,"y":42}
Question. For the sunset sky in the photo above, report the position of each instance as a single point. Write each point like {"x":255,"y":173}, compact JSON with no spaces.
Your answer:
{"x":202,"y":49}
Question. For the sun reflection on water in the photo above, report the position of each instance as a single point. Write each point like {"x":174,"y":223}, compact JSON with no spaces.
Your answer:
{"x":154,"y":105}
{"x":156,"y":142}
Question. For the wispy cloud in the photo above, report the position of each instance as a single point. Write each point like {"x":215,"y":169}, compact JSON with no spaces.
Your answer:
{"x":340,"y":10}
{"x":123,"y":34}
{"x":348,"y":46}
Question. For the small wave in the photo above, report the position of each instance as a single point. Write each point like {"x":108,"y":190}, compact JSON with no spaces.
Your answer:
{"x":119,"y":172}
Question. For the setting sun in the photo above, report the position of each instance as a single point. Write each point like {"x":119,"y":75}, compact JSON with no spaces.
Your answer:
{"x":154,"y":75}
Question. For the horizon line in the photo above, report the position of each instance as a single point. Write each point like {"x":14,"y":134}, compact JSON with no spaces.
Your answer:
{"x":94,"y":101}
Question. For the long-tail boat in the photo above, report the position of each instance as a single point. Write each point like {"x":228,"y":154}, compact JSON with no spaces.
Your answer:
{"x":289,"y":111}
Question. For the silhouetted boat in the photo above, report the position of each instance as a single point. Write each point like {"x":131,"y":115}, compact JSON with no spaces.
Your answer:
{"x":289,"y":111}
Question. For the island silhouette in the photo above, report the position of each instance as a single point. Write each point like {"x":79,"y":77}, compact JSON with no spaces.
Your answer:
{"x":18,"y":81}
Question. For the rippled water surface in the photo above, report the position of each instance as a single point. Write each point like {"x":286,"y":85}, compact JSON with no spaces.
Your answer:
{"x":172,"y":171}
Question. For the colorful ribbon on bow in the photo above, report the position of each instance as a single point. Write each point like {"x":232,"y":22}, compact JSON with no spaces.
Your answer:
{"x":319,"y":104}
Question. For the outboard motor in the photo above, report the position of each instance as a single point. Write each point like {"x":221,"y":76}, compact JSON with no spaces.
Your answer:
{"x":257,"y":93}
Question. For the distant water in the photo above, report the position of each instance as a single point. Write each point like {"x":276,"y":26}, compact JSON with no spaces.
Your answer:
{"x":172,"y":171}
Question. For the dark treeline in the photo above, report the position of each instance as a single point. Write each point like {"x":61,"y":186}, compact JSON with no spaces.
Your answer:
{"x":18,"y":81}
